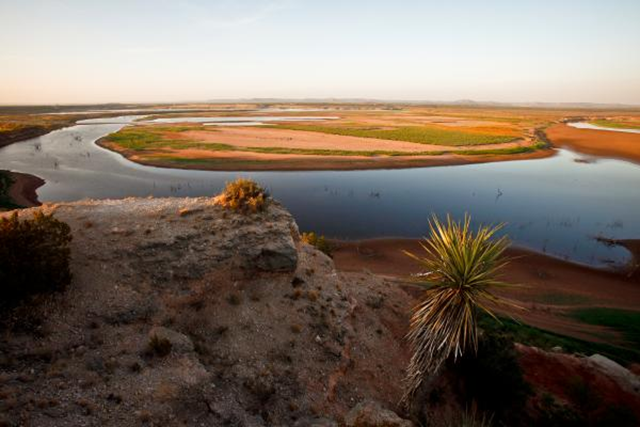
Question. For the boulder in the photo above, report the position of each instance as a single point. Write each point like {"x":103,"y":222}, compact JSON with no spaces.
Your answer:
{"x":624,"y":377}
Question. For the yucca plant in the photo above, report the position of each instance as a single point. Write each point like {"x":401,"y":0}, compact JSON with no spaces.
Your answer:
{"x":461,"y":267}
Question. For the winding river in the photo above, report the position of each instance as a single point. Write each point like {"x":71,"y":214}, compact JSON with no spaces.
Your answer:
{"x":557,"y":205}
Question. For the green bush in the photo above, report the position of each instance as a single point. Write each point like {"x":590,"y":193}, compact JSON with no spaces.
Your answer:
{"x":243,"y":195}
{"x":34,"y":257}
{"x":319,"y":242}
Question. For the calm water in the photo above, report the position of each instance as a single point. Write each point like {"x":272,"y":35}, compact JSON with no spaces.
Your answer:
{"x":557,"y":204}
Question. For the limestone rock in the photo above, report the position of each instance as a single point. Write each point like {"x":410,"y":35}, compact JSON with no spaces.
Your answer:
{"x":372,"y":414}
{"x":624,"y":377}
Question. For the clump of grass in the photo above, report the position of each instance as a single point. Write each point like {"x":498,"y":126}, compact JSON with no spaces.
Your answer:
{"x":34,"y":257}
{"x":460,"y":272}
{"x":243,"y":195}
{"x":158,"y":346}
{"x":319,"y":242}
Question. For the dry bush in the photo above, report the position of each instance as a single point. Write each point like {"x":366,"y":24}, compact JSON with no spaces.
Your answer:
{"x":243,"y":195}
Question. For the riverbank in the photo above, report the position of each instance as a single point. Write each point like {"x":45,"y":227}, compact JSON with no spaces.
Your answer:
{"x":20,"y":190}
{"x":550,"y":288}
{"x":21,"y":127}
{"x":24,"y":133}
{"x":620,"y":145}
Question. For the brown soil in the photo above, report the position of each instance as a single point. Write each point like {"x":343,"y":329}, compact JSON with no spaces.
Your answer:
{"x":578,"y":381}
{"x":543,"y":278}
{"x":286,"y":138}
{"x":23,"y":189}
{"x":625,"y":146}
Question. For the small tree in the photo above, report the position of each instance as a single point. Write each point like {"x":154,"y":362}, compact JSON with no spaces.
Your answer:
{"x":460,"y":271}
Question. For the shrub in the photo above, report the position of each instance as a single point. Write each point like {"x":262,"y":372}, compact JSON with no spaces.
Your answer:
{"x":319,"y":242}
{"x":243,"y":195}
{"x":493,"y":377}
{"x":34,"y":257}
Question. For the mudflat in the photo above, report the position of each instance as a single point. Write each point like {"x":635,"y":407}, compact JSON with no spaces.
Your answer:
{"x":605,"y":143}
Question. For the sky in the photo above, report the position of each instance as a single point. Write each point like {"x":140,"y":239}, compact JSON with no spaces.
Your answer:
{"x":79,"y":51}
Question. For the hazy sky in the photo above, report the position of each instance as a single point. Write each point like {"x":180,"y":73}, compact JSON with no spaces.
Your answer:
{"x":80,"y":51}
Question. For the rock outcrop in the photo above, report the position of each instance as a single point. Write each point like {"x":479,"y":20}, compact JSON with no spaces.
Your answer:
{"x":181,"y":312}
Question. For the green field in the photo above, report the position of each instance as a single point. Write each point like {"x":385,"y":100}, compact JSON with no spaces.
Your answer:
{"x":626,"y":322}
{"x":416,"y":134}
{"x":615,"y":125}
{"x":532,"y":336}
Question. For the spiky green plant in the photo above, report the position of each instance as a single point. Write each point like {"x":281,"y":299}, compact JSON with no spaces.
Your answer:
{"x":461,"y":269}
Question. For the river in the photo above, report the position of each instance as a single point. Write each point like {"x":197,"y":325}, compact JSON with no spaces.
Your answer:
{"x":556,"y":205}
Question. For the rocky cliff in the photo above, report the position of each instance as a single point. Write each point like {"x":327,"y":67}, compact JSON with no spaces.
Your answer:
{"x":183,"y":313}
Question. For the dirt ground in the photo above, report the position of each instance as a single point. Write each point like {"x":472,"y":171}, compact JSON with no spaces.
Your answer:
{"x":625,"y":146}
{"x":543,"y":280}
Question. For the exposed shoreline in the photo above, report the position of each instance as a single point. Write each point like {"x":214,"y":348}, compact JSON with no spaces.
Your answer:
{"x":24,"y":134}
{"x":23,"y":190}
{"x":544,"y":278}
{"x":610,"y":144}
